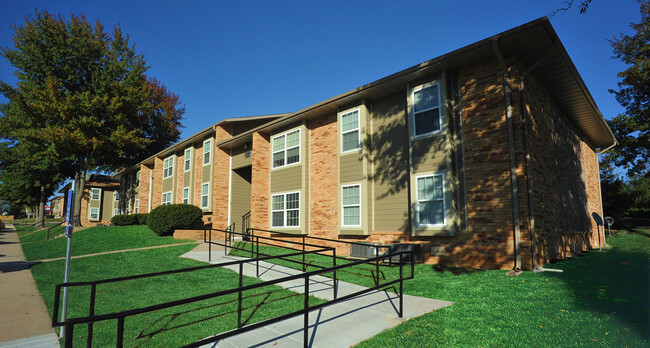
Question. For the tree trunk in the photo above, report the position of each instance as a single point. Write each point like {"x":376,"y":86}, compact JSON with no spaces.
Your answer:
{"x":79,"y":190}
{"x":40,"y":214}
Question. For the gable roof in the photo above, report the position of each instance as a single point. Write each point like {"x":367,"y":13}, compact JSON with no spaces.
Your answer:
{"x":528,"y":42}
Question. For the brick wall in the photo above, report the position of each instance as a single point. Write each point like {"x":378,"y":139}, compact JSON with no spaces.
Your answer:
{"x":323,"y":174}
{"x":83,"y":212}
{"x":156,"y":197}
{"x":143,"y":192}
{"x":220,"y":181}
{"x":180,"y":170}
{"x":260,"y":181}
{"x":198,"y":175}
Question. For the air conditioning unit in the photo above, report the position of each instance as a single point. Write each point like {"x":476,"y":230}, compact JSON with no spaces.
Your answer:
{"x":364,"y":250}
{"x":391,"y":248}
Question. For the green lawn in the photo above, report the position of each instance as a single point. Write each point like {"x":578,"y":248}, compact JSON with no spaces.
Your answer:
{"x":166,"y":328}
{"x":93,"y":240}
{"x":601,"y":298}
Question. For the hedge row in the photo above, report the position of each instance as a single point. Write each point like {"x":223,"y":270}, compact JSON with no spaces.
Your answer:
{"x":166,"y":218}
{"x":130,"y":219}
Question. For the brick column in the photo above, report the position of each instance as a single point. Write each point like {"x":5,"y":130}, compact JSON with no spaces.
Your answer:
{"x":260,"y":181}
{"x":156,"y":197}
{"x":143,"y":191}
{"x":83,"y":212}
{"x":180,"y":173}
{"x":323,"y":196}
{"x":198,"y":175}
{"x":220,"y":180}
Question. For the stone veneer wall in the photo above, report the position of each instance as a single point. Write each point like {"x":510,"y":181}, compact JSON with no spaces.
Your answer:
{"x":260,"y":181}
{"x":156,"y":196}
{"x":143,"y":192}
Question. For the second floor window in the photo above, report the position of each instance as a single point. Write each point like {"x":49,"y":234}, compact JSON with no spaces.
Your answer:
{"x":168,"y":167}
{"x":350,"y":131}
{"x":188,"y":159}
{"x":286,"y":149}
{"x":95,"y":193}
{"x":426,"y":109}
{"x":207,"y":151}
{"x":137,"y":179}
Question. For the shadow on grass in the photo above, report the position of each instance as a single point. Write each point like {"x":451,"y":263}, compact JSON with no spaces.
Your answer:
{"x":614,"y":283}
{"x":170,"y":322}
{"x":455,"y":270}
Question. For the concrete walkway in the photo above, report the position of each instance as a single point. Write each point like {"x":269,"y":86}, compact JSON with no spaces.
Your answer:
{"x":114,"y":252}
{"x":24,"y":321}
{"x":344,"y":324}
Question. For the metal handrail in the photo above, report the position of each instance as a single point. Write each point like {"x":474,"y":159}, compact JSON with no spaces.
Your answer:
{"x":121,"y":316}
{"x":50,"y":228}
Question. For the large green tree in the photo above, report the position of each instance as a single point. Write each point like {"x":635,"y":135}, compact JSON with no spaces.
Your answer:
{"x":83,"y":93}
{"x":632,"y":129}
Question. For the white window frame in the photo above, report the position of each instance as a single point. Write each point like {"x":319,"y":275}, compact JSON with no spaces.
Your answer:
{"x":137,"y":179}
{"x":136,"y":206}
{"x":206,"y":195}
{"x":187,"y":160}
{"x":168,"y":167}
{"x":92,"y":194}
{"x":116,"y":195}
{"x":162,"y":200}
{"x":90,"y":214}
{"x":286,"y":149}
{"x":358,"y":130}
{"x":186,"y":190}
{"x":439,"y":107}
{"x":417,"y":201}
{"x":209,"y":152}
{"x":116,"y":211}
{"x":343,"y":206}
{"x":285,"y":210}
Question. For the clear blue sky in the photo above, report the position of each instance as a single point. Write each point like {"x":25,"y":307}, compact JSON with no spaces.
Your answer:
{"x":244,"y":58}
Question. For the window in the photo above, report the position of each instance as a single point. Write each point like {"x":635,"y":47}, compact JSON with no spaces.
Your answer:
{"x":188,"y":159}
{"x":94,"y":213}
{"x":431,"y":203}
{"x":207,"y":151}
{"x":186,"y":195}
{"x":285,"y":210}
{"x":351,"y":205}
{"x":95,"y":193}
{"x":137,"y":179}
{"x":129,"y":182}
{"x":168,"y":167}
{"x":350,"y":131}
{"x":426,"y":109}
{"x":116,"y":212}
{"x":166,"y":198}
{"x":205,"y":195}
{"x":286,"y":149}
{"x":136,"y":206}
{"x":117,"y":195}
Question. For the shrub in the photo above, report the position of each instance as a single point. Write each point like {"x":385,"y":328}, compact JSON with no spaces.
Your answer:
{"x":166,"y":218}
{"x":141,"y":219}
{"x":49,"y":216}
{"x":123,"y":220}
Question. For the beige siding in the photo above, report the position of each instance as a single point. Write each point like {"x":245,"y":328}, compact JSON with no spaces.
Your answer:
{"x":429,"y":154}
{"x":240,"y":200}
{"x":285,"y":179}
{"x":107,"y":204}
{"x":351,"y":168}
{"x":390,"y":151}
{"x":241,"y":158}
{"x":168,"y":185}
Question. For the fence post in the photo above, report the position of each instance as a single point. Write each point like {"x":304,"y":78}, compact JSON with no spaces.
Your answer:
{"x":401,"y":287}
{"x":93,"y":292}
{"x":120,"y":332}
{"x":257,"y":257}
{"x":239,"y":296}
{"x":304,"y":265}
{"x":68,"y":335}
{"x":306,"y":316}
{"x":210,"y":245}
{"x":335,"y":283}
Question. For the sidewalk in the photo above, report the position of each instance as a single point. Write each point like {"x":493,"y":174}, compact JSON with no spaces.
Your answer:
{"x":24,"y":320}
{"x":343,"y":324}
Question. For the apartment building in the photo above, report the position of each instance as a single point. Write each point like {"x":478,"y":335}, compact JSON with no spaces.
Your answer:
{"x":484,"y":157}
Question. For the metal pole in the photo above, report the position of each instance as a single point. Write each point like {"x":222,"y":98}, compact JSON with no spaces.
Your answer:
{"x":306,"y":317}
{"x":401,"y":288}
{"x":239,"y":296}
{"x":70,"y":227}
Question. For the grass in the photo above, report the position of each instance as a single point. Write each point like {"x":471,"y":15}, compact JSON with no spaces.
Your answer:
{"x":171,"y":327}
{"x":93,"y":240}
{"x":601,"y":298}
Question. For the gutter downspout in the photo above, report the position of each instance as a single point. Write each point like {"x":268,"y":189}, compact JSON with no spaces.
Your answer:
{"x":513,"y":167}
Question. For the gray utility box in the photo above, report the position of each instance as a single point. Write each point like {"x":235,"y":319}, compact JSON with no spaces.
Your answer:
{"x":391,"y":248}
{"x":364,"y":250}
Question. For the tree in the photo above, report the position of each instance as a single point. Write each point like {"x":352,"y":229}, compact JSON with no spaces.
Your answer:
{"x":632,"y":129}
{"x":84,"y":94}
{"x":582,"y":7}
